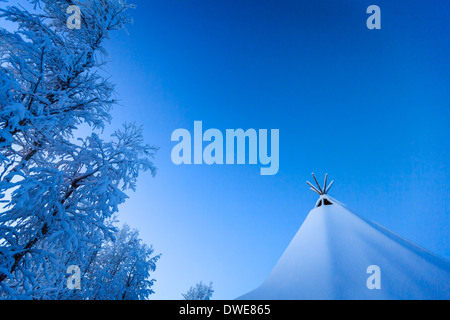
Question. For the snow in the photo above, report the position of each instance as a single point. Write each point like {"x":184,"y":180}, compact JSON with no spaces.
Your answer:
{"x":201,"y":291}
{"x":59,"y":196}
{"x":329,"y":256}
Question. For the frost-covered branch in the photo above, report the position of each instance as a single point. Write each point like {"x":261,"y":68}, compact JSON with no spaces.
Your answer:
{"x":59,"y":195}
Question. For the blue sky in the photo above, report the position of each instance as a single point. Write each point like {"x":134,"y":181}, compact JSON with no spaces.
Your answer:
{"x":370,"y":107}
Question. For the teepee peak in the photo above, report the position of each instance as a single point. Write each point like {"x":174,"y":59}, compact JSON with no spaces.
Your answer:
{"x":332,"y":253}
{"x":324,"y":200}
{"x":320,"y":190}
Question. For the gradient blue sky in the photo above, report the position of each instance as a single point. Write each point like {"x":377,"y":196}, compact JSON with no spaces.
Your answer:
{"x":370,"y":107}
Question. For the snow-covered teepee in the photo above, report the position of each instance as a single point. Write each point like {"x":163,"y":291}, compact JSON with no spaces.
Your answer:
{"x":337,"y":254}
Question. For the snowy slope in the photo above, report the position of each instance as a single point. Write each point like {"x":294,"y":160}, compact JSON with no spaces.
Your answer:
{"x":329,"y":256}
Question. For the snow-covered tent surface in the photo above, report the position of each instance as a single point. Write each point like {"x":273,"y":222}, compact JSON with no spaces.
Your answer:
{"x":329,"y":256}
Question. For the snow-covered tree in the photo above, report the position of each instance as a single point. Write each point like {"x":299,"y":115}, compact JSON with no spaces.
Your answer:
{"x":201,"y":291}
{"x":59,"y":193}
{"x":121,"y":269}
